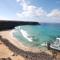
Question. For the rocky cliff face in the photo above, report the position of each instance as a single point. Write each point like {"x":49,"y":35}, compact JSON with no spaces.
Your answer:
{"x":11,"y":24}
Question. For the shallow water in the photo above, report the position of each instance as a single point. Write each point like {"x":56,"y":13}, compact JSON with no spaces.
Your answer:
{"x":40,"y":33}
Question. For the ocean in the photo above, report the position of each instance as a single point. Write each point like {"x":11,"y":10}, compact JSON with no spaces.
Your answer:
{"x":39,"y":34}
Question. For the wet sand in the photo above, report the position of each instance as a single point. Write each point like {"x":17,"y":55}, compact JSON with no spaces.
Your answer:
{"x":10,"y":47}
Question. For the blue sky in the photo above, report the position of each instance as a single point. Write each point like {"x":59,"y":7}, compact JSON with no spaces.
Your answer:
{"x":30,"y":10}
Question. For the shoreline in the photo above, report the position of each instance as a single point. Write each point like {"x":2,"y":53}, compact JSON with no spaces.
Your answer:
{"x":20,"y":51}
{"x":8,"y":35}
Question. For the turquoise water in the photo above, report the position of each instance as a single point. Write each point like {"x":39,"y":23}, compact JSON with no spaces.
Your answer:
{"x":45,"y":32}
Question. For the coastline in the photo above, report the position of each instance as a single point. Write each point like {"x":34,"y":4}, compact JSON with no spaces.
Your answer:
{"x":8,"y":35}
{"x":23,"y":49}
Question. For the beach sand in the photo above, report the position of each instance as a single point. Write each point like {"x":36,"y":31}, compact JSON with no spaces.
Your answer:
{"x":9,"y":36}
{"x":6,"y":51}
{"x":13,"y":40}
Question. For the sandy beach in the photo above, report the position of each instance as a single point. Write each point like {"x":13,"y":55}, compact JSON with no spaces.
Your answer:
{"x":9,"y":36}
{"x":5,"y":52}
{"x":11,"y":47}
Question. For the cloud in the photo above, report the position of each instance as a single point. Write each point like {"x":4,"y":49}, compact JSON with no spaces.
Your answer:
{"x":54,"y":13}
{"x":18,"y":0}
{"x":30,"y":10}
{"x":33,"y":13}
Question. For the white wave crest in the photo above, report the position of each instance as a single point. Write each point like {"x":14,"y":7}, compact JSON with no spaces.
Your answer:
{"x":26,"y":35}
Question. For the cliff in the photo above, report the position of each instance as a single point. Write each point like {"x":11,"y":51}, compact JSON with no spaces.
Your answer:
{"x":4,"y":25}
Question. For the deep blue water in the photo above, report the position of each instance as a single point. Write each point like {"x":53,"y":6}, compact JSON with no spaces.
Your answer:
{"x":40,"y":33}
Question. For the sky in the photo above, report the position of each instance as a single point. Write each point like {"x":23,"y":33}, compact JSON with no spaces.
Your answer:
{"x":30,"y":10}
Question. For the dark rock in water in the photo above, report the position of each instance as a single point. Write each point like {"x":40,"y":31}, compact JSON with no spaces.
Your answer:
{"x":5,"y":25}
